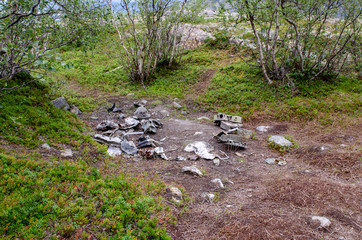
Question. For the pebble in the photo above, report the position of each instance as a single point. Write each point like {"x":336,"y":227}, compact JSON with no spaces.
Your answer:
{"x":45,"y":146}
{"x":218,"y":182}
{"x":66,"y":153}
{"x":208,"y":196}
{"x":176,"y":105}
{"x":323,"y":221}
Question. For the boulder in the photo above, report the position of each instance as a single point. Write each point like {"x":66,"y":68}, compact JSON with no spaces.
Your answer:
{"x":61,"y":103}
{"x":280,"y":140}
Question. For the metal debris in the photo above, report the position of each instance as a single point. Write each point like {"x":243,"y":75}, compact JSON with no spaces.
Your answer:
{"x":144,"y":142}
{"x":113,"y":108}
{"x":114,"y":151}
{"x":107,"y":125}
{"x":129,"y":147}
{"x":231,"y":140}
{"x":193,"y":170}
{"x":150,"y":126}
{"x":201,"y":149}
{"x":223,"y":117}
{"x":160,"y":152}
{"x":180,"y":158}
{"x":107,"y":140}
{"x":130,"y":122}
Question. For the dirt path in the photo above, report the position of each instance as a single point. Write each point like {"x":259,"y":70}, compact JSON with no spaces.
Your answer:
{"x":259,"y":201}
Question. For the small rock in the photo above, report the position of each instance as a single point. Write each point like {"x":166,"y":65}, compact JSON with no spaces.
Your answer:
{"x":281,"y":141}
{"x":263,"y":128}
{"x":94,"y":118}
{"x":180,"y":158}
{"x":323,"y":221}
{"x":218,"y":182}
{"x":165,"y":113}
{"x":61,"y":103}
{"x":76,"y":110}
{"x":208,"y":196}
{"x":344,"y":145}
{"x":282,"y":163}
{"x":142,"y":113}
{"x":184,"y":113}
{"x":66,"y":153}
{"x":204,"y":118}
{"x":143,"y":102}
{"x":198,"y":133}
{"x":176,"y":105}
{"x":192,"y":169}
{"x":130,"y":94}
{"x":271,"y":161}
{"x":229,"y":206}
{"x":216,"y":162}
{"x":114,"y":151}
{"x":193,"y":158}
{"x":45,"y":146}
{"x":175,"y":193}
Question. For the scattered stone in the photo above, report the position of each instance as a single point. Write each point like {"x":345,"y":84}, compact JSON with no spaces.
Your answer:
{"x":184,"y":113}
{"x":271,"y":161}
{"x":193,"y":170}
{"x":193,"y":158}
{"x":61,"y":103}
{"x":229,"y":125}
{"x":114,"y":151}
{"x":263,"y":128}
{"x":176,"y":105}
{"x":216,"y":162}
{"x":107,"y":140}
{"x":45,"y":146}
{"x":76,"y":110}
{"x":94,"y":118}
{"x":218,"y":182}
{"x":175,"y":193}
{"x":129,"y":147}
{"x":130,"y":94}
{"x":201,"y":149}
{"x":180,"y":158}
{"x":208,"y":196}
{"x":165,"y":113}
{"x":198,"y":133}
{"x":66,"y":153}
{"x":323,"y":221}
{"x":106,"y":125}
{"x":203,"y":118}
{"x":142,"y":113}
{"x":280,"y":140}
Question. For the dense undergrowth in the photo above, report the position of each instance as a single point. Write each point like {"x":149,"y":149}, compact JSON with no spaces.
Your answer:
{"x":53,"y":198}
{"x":49,"y":199}
{"x":236,"y":88}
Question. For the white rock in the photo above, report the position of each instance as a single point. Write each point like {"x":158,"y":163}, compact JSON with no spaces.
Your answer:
{"x":271,"y":161}
{"x":130,"y":94}
{"x":66,"y":153}
{"x":165,"y":113}
{"x":114,"y":151}
{"x":175,"y":193}
{"x":263,"y":128}
{"x":176,"y":105}
{"x":45,"y":146}
{"x":208,"y":196}
{"x":216,"y":162}
{"x":192,"y":169}
{"x":198,"y":133}
{"x":218,"y":182}
{"x":282,"y":163}
{"x":280,"y":140}
{"x":323,"y":221}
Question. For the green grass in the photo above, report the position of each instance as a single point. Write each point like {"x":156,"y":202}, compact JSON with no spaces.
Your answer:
{"x":51,"y":199}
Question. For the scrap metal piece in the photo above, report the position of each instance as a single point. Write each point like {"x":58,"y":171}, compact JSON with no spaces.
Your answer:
{"x":232,"y":140}
{"x":151,"y":125}
{"x":130,"y":122}
{"x":144,"y":142}
{"x":223,"y":117}
{"x":114,"y":109}
{"x":114,"y":151}
{"x":107,"y":140}
{"x":160,"y":152}
{"x":202,"y":149}
{"x":107,"y":125}
{"x":128,"y":147}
